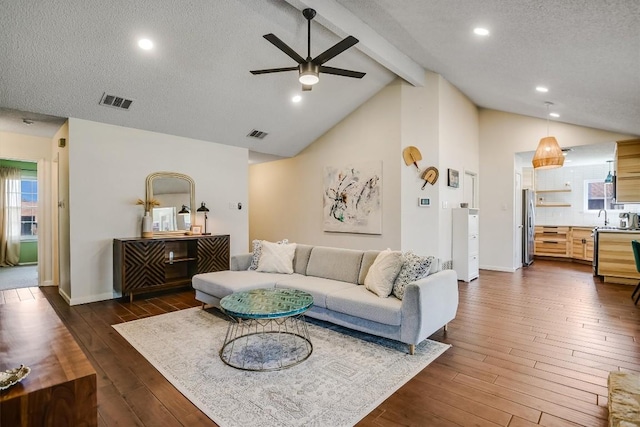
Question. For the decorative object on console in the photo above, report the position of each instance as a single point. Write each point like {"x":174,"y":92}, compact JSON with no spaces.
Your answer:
{"x":454,"y":178}
{"x":175,"y":192}
{"x":147,"y":225}
{"x":353,"y":198}
{"x":411,"y":155}
{"x":430,"y":175}
{"x":196,"y":229}
{"x":205,"y":209}
{"x":13,"y":376}
{"x":548,"y":154}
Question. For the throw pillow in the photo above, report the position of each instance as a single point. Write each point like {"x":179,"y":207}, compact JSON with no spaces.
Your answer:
{"x":276,"y":258}
{"x":414,"y":267}
{"x":257,"y":251}
{"x":383,"y":272}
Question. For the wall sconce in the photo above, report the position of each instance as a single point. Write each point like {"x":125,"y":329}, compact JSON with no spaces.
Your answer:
{"x":205,"y":209}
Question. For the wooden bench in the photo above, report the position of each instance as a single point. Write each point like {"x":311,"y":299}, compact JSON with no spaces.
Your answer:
{"x":61,"y":388}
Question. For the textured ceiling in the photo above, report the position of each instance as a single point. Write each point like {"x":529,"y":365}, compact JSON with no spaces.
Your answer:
{"x":58,"y":57}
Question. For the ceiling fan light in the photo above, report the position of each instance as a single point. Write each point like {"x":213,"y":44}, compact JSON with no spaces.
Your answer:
{"x":548,"y":155}
{"x":309,"y":74}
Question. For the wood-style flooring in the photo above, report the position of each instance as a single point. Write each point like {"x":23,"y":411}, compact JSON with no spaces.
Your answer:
{"x":529,"y":348}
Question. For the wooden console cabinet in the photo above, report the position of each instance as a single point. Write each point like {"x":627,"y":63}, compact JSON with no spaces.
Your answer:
{"x":150,"y":264}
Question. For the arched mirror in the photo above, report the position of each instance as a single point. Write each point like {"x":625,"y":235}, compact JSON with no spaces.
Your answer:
{"x":175,"y":193}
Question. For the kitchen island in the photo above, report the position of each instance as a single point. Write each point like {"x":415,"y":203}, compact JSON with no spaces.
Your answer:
{"x":614,"y":260}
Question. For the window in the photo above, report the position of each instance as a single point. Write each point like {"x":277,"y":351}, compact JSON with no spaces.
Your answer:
{"x":29,"y":208}
{"x":599,"y":195}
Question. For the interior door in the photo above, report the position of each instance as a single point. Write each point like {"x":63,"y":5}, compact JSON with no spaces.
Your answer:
{"x":469,"y":189}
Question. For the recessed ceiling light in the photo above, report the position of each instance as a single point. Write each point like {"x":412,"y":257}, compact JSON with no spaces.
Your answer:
{"x":556,"y":115}
{"x":296,"y":98}
{"x":542,"y":89}
{"x":481,"y":31}
{"x":145,"y":44}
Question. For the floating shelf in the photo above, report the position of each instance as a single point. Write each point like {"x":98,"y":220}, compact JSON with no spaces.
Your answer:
{"x":554,"y":205}
{"x":554,"y":191}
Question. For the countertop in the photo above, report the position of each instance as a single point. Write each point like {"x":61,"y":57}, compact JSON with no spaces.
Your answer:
{"x":600,"y":228}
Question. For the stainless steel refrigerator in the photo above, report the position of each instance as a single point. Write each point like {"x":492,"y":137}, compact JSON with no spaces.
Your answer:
{"x":528,"y":225}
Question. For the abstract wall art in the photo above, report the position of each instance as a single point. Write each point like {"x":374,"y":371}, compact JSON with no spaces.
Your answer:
{"x":353,"y":198}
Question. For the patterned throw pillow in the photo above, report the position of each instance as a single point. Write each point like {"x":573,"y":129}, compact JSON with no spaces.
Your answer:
{"x":257,"y":252}
{"x":414,"y":267}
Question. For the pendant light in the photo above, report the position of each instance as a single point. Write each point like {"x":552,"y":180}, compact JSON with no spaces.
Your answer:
{"x":609,"y":178}
{"x":548,"y":154}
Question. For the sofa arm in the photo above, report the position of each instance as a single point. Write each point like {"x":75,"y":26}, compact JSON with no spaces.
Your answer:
{"x":240,"y":262}
{"x":428,"y":305}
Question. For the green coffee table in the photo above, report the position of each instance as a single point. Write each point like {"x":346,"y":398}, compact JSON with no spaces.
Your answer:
{"x":267,"y":330}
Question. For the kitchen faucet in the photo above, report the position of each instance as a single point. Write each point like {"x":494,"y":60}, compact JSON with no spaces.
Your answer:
{"x":606,"y":221}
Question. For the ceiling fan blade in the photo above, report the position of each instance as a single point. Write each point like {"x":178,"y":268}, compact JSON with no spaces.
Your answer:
{"x":337,"y":49}
{"x":283,"y":47}
{"x":306,"y":87}
{"x":273,"y":70}
{"x":341,"y":72}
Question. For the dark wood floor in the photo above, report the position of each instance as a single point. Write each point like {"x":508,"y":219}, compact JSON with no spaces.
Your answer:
{"x":529,"y":348}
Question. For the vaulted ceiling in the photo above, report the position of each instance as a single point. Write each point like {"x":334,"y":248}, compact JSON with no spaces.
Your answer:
{"x":59,"y":57}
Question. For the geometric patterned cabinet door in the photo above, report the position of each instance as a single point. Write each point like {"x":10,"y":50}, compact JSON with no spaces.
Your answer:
{"x":213,"y":254}
{"x":143,"y":264}
{"x":150,"y":264}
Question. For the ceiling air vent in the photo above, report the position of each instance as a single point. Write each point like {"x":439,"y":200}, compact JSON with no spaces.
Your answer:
{"x":114,"y":101}
{"x":257,"y":134}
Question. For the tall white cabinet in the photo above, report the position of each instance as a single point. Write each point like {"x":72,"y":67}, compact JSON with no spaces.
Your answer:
{"x":465,"y":243}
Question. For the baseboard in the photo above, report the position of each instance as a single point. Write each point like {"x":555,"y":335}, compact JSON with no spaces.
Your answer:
{"x":47,"y":283}
{"x":90,"y":298}
{"x":496,"y":268}
{"x":64,"y":295}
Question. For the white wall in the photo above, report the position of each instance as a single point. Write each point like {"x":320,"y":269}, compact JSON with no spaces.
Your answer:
{"x":286,"y":195}
{"x":459,"y":143}
{"x":502,"y":135}
{"x":108,"y":166}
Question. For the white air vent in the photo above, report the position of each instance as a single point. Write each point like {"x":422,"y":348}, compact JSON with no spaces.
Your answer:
{"x":114,"y":101}
{"x":257,"y":134}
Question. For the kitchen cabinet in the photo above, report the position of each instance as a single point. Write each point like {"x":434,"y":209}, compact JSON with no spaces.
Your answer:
{"x":628,"y":171}
{"x":466,"y":243}
{"x":150,"y":264}
{"x":582,"y":244}
{"x":552,"y":241}
{"x":616,"y":262}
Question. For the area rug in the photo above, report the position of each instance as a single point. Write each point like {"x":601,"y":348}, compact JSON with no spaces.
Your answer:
{"x":347,"y":376}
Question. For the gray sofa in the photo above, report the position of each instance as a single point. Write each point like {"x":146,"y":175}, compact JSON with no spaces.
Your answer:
{"x":335,"y":278}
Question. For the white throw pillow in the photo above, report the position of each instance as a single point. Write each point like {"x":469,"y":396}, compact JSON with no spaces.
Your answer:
{"x":257,"y":251}
{"x":383,"y":272}
{"x":276,"y":258}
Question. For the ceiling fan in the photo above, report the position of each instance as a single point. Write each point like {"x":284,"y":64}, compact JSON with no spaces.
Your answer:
{"x":309,"y":69}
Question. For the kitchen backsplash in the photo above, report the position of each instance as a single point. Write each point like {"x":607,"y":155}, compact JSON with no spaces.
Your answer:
{"x":572,"y":178}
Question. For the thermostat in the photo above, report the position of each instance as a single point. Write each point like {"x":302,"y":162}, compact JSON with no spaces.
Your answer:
{"x":424,"y":202}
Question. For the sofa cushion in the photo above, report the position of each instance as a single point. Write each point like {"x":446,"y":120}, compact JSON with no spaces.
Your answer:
{"x":318,"y":287}
{"x":301,"y":258}
{"x":367,"y":261}
{"x":359,"y":302}
{"x":335,"y":263}
{"x":276,"y":258}
{"x":223,"y":283}
{"x":383,"y":272}
{"x":414,"y":267}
